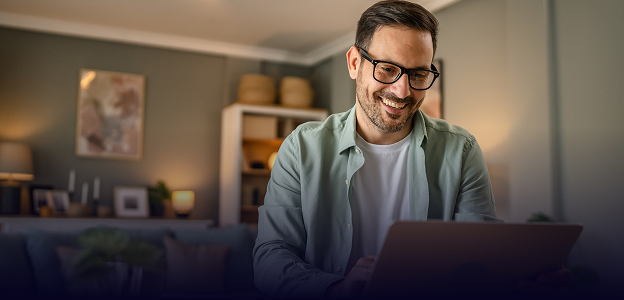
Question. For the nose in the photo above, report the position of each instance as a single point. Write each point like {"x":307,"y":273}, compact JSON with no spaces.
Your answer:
{"x":401,"y":87}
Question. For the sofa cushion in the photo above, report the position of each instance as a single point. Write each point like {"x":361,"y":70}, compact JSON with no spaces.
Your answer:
{"x":195,"y":269}
{"x":16,"y":276}
{"x":239,"y":263}
{"x":45,"y":263}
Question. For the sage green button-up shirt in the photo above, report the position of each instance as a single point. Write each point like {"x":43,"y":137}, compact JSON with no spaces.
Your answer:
{"x":305,"y":231}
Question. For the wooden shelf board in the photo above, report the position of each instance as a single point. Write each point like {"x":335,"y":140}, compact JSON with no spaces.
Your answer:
{"x":273,"y":142}
{"x":250,"y":208}
{"x":257,"y":172}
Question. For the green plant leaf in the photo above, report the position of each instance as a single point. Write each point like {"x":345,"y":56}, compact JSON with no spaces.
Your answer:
{"x":540,"y":217}
{"x":107,"y":240}
{"x":102,"y":245}
{"x":143,"y":254}
{"x":158,"y":193}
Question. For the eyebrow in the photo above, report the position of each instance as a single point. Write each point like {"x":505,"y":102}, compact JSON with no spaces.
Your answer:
{"x":407,"y":69}
{"x":427,"y":68}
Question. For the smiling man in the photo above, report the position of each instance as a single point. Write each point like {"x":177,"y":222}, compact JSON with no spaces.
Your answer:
{"x":337,"y":186}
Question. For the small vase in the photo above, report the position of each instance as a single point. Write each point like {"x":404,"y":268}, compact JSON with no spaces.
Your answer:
{"x":157,"y":210}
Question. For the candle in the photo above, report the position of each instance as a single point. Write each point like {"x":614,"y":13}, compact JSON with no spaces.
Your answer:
{"x":85,"y":193}
{"x":72,"y":179}
{"x":96,"y":188}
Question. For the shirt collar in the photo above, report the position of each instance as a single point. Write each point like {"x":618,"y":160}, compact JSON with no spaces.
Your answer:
{"x":347,"y":139}
{"x":420,"y":129}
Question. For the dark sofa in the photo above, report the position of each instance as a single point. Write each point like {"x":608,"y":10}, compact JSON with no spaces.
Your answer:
{"x":30,"y":267}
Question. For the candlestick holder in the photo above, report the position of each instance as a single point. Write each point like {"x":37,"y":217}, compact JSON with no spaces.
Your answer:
{"x":96,"y":203}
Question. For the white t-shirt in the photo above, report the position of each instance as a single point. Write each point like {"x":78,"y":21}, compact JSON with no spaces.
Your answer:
{"x":380,"y":195}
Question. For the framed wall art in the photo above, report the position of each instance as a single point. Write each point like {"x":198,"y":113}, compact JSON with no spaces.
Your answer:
{"x":110,"y":115}
{"x":433,"y":105}
{"x":131,"y":202}
{"x":38,"y":196}
{"x":58,"y":200}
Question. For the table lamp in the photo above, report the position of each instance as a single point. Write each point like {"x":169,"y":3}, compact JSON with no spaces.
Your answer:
{"x":183,"y":202}
{"x":15,"y":165}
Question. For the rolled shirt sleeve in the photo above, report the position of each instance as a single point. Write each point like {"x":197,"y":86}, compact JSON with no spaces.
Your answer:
{"x":279,"y":254}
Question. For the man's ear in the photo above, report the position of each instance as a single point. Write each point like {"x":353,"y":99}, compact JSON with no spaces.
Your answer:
{"x":353,"y":61}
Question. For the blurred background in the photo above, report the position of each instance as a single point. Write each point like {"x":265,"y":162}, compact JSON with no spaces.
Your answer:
{"x":540,"y":83}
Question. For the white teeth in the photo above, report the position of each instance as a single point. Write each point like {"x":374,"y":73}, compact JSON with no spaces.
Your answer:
{"x":393,"y":104}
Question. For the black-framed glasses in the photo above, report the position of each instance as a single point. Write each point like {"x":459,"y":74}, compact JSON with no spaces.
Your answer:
{"x":387,"y":72}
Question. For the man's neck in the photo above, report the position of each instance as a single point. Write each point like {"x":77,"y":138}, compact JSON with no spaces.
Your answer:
{"x":372,"y":134}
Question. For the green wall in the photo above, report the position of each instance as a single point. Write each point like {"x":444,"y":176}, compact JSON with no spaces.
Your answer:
{"x":184,"y":95}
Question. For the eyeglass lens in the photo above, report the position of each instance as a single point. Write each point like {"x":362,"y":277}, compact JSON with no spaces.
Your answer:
{"x":388,"y":73}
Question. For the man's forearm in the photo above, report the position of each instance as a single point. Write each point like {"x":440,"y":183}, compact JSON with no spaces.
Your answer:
{"x":281,"y":273}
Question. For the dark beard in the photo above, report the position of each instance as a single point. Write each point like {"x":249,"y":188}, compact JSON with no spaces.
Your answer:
{"x":374,"y":115}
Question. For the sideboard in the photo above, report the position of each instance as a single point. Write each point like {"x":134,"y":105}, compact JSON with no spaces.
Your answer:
{"x":21,"y":224}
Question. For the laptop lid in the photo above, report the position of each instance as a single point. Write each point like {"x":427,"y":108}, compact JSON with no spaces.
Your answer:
{"x":442,"y":259}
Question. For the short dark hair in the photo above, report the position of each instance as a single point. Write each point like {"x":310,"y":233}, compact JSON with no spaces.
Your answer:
{"x":394,"y":13}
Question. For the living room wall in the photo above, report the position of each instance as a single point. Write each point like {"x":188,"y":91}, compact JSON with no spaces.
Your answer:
{"x":591,"y":92}
{"x":184,"y":95}
{"x":541,"y":81}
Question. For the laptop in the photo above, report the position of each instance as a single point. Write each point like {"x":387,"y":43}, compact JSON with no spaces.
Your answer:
{"x":456,"y":259}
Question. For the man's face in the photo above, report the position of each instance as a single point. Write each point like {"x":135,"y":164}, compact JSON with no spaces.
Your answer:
{"x":388,"y":107}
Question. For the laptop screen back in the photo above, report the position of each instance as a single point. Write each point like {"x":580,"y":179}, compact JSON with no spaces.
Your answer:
{"x":453,"y":258}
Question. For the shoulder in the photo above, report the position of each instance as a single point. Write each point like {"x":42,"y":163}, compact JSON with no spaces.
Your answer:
{"x":334,"y":124}
{"x":441,"y":129}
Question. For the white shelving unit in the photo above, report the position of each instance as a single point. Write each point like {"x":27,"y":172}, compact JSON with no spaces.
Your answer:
{"x":231,"y":169}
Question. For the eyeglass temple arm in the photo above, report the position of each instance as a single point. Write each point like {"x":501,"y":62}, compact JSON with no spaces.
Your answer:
{"x":434,"y":69}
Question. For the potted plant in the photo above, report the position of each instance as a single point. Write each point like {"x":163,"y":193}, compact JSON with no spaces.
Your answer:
{"x":158,"y":194}
{"x":110,"y":262}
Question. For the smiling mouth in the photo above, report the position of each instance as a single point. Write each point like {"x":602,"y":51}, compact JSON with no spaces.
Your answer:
{"x":393,"y":104}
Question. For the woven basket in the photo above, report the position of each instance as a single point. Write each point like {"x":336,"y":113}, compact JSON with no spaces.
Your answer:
{"x":296,"y":91}
{"x":256,"y":89}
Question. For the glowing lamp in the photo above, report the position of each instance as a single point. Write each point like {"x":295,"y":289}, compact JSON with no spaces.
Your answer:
{"x":183,"y":202}
{"x":272,"y":160}
{"x":15,"y":165}
{"x":15,"y":162}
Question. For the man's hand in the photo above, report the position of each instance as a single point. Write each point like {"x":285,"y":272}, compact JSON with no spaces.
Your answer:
{"x":549,"y":284}
{"x":353,"y":285}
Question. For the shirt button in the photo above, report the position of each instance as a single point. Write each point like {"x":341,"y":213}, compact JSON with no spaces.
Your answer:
{"x":339,"y":269}
{"x":347,"y":182}
{"x":349,"y":225}
{"x":357,"y":151}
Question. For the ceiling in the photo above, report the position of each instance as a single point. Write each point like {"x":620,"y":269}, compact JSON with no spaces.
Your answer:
{"x":295,"y":31}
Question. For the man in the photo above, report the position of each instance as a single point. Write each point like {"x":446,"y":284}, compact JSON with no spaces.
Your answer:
{"x":337,"y":185}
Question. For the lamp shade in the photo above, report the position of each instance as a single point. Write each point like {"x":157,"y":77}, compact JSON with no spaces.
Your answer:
{"x":183,"y":202}
{"x":15,"y":162}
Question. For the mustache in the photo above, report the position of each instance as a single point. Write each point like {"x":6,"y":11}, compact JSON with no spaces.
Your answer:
{"x":392,"y":97}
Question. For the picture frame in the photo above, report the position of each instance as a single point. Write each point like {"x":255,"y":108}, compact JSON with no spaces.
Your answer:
{"x":110,"y":115}
{"x":131,"y":202}
{"x":433,"y":105}
{"x":38,"y":194}
{"x":58,"y":201}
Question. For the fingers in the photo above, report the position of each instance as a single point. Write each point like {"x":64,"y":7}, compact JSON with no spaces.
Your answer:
{"x":362,"y":269}
{"x":365,"y":263}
